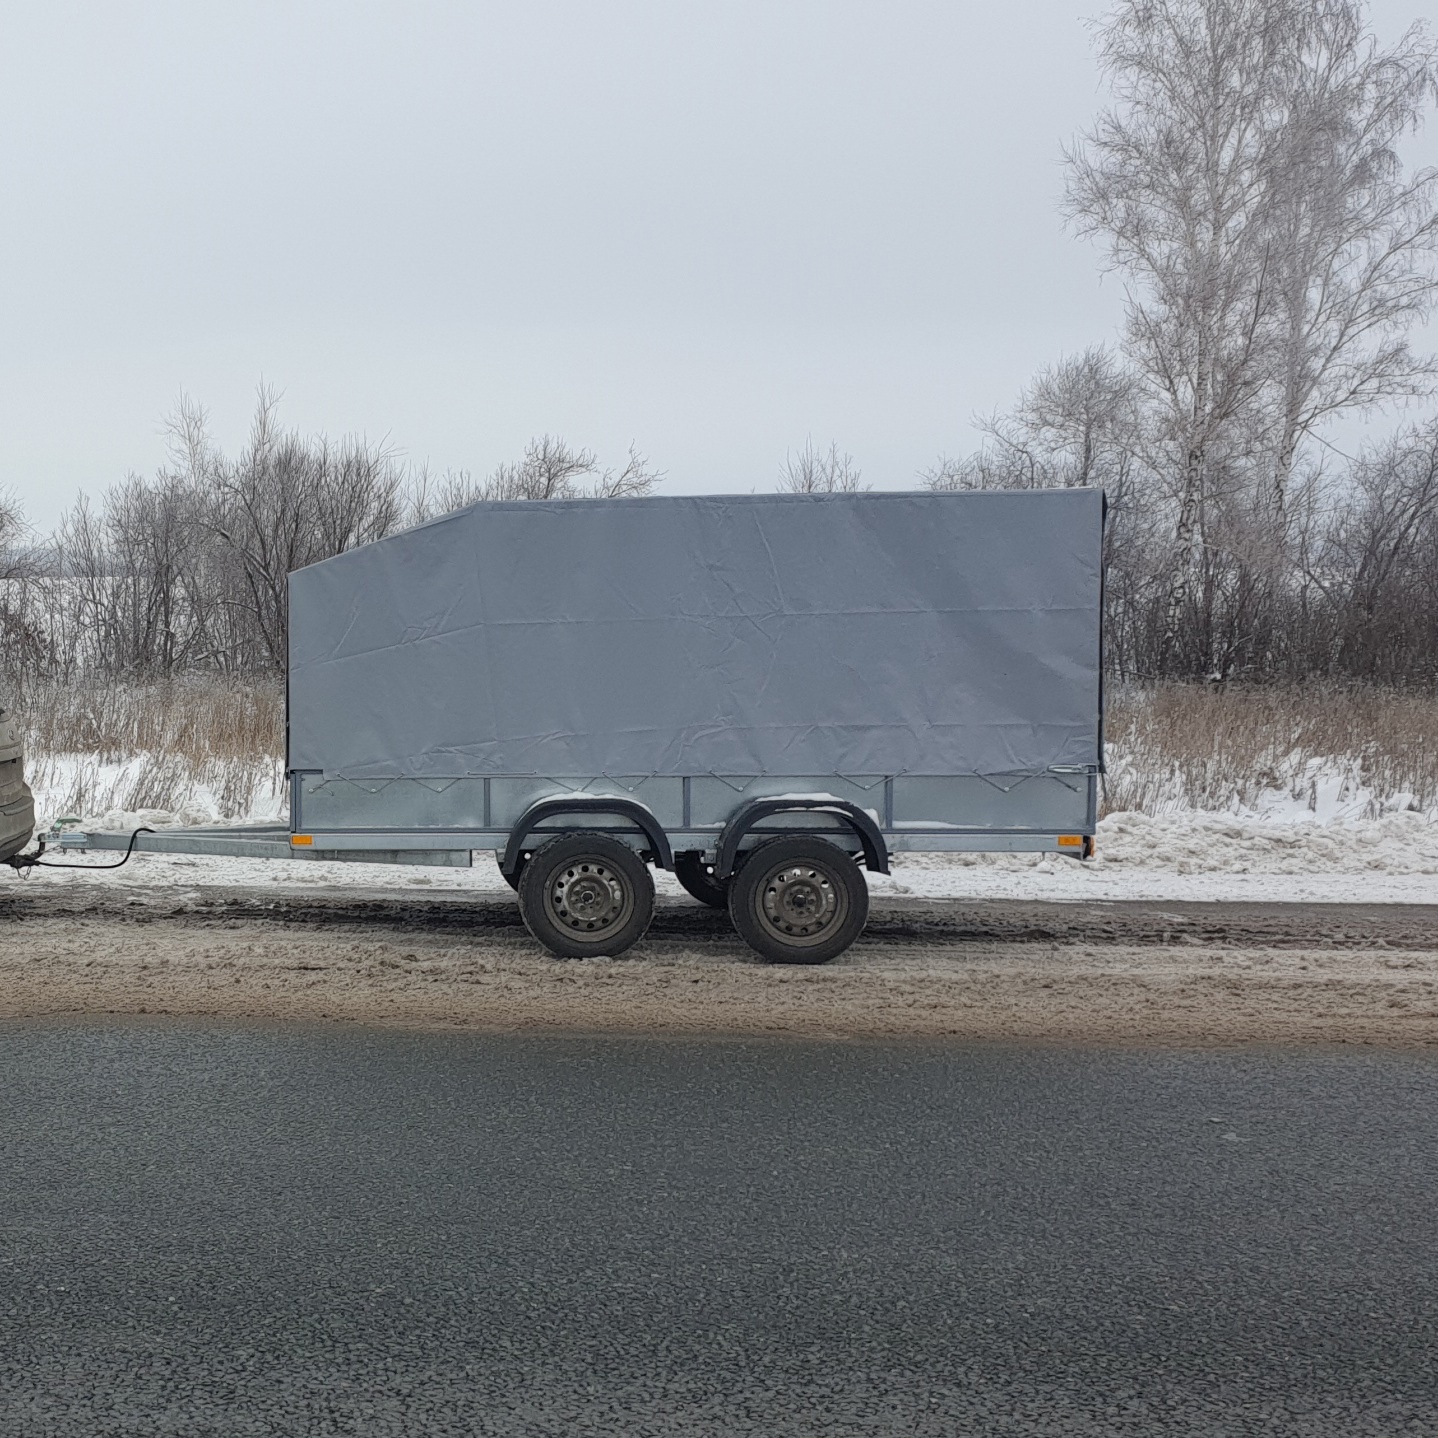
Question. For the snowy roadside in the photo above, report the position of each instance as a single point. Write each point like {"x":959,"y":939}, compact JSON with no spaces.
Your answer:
{"x":1188,"y":856}
{"x":1148,"y":975}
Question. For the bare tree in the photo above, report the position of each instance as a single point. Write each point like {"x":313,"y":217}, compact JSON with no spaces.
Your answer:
{"x":1173,"y":179}
{"x":1350,"y":232}
{"x":1272,"y":253}
{"x":13,"y":530}
{"x":1077,"y":424}
{"x":550,"y":470}
{"x":286,"y":502}
{"x":24,"y":642}
{"x":151,"y":534}
{"x":814,"y":471}
{"x":429,"y":495}
{"x":190,"y":568}
{"x":633,"y":481}
{"x":1383,"y":560}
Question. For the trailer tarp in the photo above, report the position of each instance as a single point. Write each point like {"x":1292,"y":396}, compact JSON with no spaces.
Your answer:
{"x":868,"y":634}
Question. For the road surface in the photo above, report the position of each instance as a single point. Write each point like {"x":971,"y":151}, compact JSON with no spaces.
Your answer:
{"x":231,"y":1229}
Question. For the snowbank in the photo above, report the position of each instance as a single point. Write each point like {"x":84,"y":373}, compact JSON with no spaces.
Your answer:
{"x":1390,"y":859}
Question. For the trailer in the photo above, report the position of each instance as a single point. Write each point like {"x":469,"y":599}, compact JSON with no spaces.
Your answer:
{"x":767,"y":695}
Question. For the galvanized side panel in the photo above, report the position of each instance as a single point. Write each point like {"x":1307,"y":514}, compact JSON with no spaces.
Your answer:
{"x":908,"y":802}
{"x":914,"y":812}
{"x":713,"y":799}
{"x":1001,"y":802}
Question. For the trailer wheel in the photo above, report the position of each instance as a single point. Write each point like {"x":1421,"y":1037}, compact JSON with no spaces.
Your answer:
{"x":798,"y":900}
{"x":585,"y":894}
{"x":697,"y":879}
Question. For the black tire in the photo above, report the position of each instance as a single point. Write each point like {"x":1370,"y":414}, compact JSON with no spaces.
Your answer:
{"x":798,"y":900}
{"x":697,"y":879}
{"x":585,"y":894}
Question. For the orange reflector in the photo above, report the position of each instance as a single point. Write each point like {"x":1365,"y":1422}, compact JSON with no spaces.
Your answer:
{"x":302,"y":838}
{"x":1070,"y":841}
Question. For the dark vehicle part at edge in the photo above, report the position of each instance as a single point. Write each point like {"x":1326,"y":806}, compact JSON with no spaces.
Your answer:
{"x":17,"y":804}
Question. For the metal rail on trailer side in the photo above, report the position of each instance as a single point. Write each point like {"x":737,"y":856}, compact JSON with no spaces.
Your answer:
{"x":247,"y":841}
{"x":766,"y":694}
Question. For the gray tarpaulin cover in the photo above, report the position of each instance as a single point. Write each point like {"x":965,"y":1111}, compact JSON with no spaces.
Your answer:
{"x":737,"y":635}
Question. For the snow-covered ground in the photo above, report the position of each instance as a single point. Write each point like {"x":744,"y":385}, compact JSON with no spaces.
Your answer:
{"x":97,"y":790}
{"x":1390,"y":859}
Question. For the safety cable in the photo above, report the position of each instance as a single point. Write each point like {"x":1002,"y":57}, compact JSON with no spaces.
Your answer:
{"x":36,"y":861}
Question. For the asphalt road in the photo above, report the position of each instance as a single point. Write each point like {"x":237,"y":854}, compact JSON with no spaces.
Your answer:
{"x":232,"y":1230}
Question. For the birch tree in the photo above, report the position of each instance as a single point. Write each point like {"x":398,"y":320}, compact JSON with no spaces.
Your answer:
{"x":1272,"y":252}
{"x":1352,"y":233}
{"x":1171,"y":179}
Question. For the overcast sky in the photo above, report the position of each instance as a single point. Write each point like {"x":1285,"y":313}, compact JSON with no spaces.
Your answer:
{"x":712,"y":228}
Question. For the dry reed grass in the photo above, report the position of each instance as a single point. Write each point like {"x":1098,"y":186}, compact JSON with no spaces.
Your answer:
{"x":195,"y":719}
{"x":94,"y":746}
{"x":1190,"y":746}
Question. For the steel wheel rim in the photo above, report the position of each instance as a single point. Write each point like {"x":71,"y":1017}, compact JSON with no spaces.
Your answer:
{"x":801,"y":904}
{"x":588,"y":898}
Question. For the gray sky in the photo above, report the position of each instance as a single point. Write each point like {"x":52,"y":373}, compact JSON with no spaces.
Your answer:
{"x":713,"y":228}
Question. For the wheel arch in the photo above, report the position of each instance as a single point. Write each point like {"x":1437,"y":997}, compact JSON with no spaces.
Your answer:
{"x":631,"y":810}
{"x":746,"y":819}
